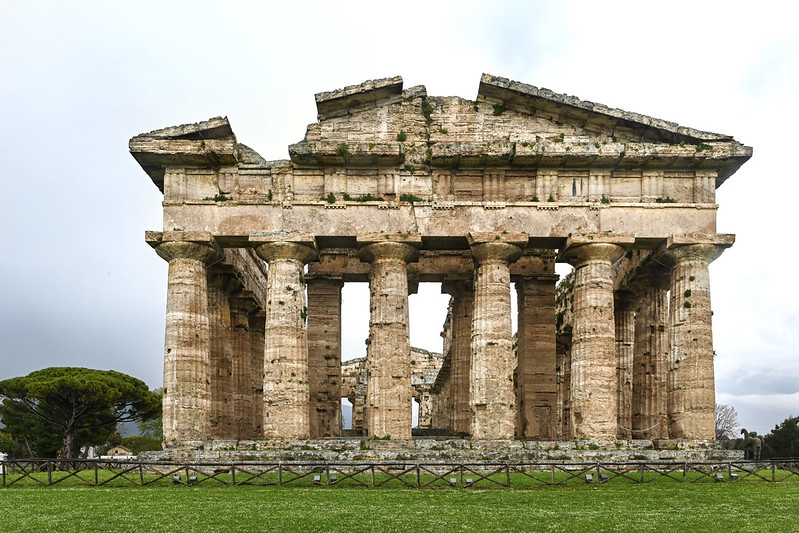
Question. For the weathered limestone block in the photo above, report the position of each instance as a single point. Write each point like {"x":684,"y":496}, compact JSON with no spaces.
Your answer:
{"x":624,"y":309}
{"x":187,"y":398}
{"x":492,"y":398}
{"x":593,"y":351}
{"x":388,"y":408}
{"x":536,"y":389}
{"x":324,"y":356}
{"x":460,"y":349}
{"x":691,"y":389}
{"x":649,"y":362}
{"x":286,"y":394}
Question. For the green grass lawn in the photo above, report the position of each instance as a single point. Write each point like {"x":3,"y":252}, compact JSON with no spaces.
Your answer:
{"x":658,"y":506}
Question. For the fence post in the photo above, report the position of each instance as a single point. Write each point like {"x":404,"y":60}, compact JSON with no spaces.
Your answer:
{"x":96,"y":476}
{"x":773,"y":471}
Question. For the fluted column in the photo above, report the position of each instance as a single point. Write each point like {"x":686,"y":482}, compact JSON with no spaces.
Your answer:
{"x":462,"y":293}
{"x":222,"y":425}
{"x":492,"y":397}
{"x":624,"y":309}
{"x":187,"y":401}
{"x":257,"y":342}
{"x":286,"y":391}
{"x":388,"y":389}
{"x":324,"y":356}
{"x":649,"y":361}
{"x":241,"y":307}
{"x":593,"y":403}
{"x":691,"y":390}
{"x":536,"y":387}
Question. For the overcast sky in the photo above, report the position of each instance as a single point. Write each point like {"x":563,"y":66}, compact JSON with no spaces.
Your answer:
{"x":79,"y":79}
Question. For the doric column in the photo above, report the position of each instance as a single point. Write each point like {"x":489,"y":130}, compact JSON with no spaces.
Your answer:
{"x":491,"y":395}
{"x":536,"y":388}
{"x":593,"y":403}
{"x":564,"y":370}
{"x":324,"y":356}
{"x":624,"y":310}
{"x":460,"y":348}
{"x":425,"y":408}
{"x":257,"y":341}
{"x":242,"y":305}
{"x":359,"y":402}
{"x":691,"y":389}
{"x":187,"y":349}
{"x":649,"y":360}
{"x":388,"y":389}
{"x":285,"y":343}
{"x":222,"y":418}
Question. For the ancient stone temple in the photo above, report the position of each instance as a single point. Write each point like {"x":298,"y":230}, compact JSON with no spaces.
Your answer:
{"x":484,"y":196}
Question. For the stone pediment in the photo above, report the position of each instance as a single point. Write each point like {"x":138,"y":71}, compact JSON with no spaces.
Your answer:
{"x":509,"y":124}
{"x":210,"y":143}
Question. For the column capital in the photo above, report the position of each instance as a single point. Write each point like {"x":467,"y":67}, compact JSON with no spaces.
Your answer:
{"x":242,"y":304}
{"x":283,"y":245}
{"x":285,"y":251}
{"x":197,"y":245}
{"x":580,"y":250}
{"x":625,"y":298}
{"x":456,"y":287}
{"x":187,"y":250}
{"x":651,"y":277}
{"x":698,"y":252}
{"x":389,"y":251}
{"x":498,"y":251}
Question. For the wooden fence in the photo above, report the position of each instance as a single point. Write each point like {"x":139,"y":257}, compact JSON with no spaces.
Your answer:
{"x":93,"y":472}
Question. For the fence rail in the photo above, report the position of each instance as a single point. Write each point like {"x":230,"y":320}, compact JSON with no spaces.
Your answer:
{"x":410,"y":474}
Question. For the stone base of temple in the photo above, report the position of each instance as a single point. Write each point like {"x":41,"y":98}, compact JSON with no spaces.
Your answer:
{"x":443,"y":450}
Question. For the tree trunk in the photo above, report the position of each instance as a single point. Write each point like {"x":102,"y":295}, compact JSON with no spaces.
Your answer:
{"x":66,"y":449}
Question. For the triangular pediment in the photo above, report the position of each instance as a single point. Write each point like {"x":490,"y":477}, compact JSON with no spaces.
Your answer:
{"x":509,"y":124}
{"x":593,"y":117}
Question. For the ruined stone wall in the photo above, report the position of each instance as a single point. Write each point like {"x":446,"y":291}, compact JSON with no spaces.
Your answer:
{"x":425,"y":366}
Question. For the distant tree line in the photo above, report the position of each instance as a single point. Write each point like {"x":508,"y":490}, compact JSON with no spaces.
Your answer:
{"x":782,"y":441}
